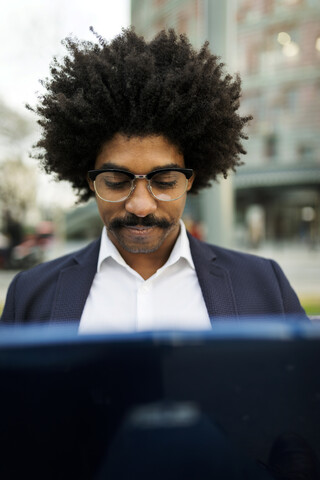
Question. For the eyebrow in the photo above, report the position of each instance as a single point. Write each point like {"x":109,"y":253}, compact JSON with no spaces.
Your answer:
{"x":118,"y":167}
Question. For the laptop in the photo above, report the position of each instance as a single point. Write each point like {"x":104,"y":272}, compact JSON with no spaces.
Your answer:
{"x":64,"y":396}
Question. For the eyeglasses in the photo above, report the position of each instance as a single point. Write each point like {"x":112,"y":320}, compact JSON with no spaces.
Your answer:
{"x":167,"y":184}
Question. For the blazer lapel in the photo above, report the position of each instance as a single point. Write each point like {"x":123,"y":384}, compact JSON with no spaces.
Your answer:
{"x":74,"y":285}
{"x":75,"y":281}
{"x":214,"y":281}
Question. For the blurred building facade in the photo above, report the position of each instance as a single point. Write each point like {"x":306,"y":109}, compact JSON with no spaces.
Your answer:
{"x":279,"y":61}
{"x":18,"y":180}
{"x":275,"y":45}
{"x":185,"y":16}
{"x":201,"y":20}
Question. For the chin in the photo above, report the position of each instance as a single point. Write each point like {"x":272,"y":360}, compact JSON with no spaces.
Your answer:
{"x":141,"y":250}
{"x":134,"y":248}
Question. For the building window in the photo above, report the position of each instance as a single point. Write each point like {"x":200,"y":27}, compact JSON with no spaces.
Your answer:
{"x":292,"y":97}
{"x":271,"y":145}
{"x":317,"y":45}
{"x":289,"y":3}
{"x":305,"y":152}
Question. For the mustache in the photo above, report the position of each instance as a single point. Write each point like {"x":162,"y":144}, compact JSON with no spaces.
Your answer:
{"x":133,"y":221}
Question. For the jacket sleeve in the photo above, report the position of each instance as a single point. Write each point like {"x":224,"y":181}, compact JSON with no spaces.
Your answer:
{"x":291,"y":303}
{"x":8,"y":314}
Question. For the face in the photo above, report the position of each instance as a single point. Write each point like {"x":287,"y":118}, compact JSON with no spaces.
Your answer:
{"x":141,"y":223}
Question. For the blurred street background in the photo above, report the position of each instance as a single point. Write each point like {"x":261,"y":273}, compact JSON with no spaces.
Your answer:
{"x":270,"y":207}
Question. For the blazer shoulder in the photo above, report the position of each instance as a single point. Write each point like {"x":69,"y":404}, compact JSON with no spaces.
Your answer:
{"x":31,"y":293}
{"x":88,"y":253}
{"x":222,"y":255}
{"x":237,"y":261}
{"x":258,"y":284}
{"x":235,"y":256}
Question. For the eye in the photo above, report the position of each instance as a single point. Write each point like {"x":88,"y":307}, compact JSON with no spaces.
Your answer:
{"x":114,"y":180}
{"x":165,"y":180}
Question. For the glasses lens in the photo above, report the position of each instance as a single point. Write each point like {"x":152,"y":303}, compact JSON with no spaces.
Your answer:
{"x":168,"y":185}
{"x":113,"y":186}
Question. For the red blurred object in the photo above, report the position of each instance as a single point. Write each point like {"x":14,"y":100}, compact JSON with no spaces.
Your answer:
{"x":31,"y":250}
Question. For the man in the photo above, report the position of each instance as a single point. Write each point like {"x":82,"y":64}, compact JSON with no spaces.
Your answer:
{"x":139,"y":125}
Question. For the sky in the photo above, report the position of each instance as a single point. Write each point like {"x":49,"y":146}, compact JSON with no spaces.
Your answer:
{"x":30,"y":35}
{"x":31,"y":32}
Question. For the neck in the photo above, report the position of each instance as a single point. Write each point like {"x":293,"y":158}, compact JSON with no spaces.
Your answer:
{"x":146,"y":264}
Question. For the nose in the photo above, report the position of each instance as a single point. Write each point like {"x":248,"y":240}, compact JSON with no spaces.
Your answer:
{"x":141,"y":203}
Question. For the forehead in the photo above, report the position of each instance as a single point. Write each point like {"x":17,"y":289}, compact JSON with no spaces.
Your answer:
{"x":139,"y":154}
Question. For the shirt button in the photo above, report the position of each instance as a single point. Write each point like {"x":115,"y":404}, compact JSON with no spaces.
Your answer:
{"x":145,"y":288}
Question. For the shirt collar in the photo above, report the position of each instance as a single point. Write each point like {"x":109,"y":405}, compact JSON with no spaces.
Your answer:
{"x":180,"y":250}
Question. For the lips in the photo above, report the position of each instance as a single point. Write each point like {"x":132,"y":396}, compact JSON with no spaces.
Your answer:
{"x":139,"y":230}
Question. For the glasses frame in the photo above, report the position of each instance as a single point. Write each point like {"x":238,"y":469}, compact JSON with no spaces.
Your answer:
{"x":92,"y":174}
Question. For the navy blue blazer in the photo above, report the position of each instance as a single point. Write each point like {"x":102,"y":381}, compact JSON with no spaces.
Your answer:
{"x":233,"y":284}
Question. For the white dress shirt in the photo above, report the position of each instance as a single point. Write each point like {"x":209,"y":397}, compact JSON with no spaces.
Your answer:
{"x":120,"y":300}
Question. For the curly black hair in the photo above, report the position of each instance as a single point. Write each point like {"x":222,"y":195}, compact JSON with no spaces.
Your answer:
{"x":138,"y":88}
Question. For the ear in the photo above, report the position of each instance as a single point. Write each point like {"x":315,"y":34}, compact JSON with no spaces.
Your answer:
{"x":90,"y":182}
{"x":190,"y":182}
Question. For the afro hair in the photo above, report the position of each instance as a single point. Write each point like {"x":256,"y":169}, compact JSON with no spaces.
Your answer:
{"x":138,"y":88}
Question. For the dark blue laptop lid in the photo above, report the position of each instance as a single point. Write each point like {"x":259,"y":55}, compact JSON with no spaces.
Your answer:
{"x":64,"y":393}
